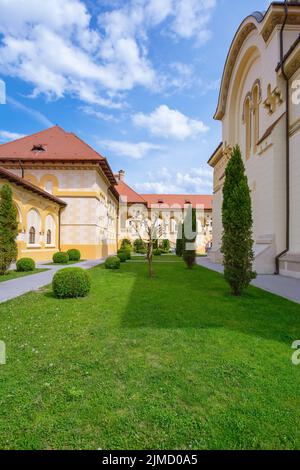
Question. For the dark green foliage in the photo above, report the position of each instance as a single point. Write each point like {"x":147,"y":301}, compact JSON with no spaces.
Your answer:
{"x":8,"y":229}
{"x":113,"y":262}
{"x":126,"y":244}
{"x":157,"y":252}
{"x":127,"y":252}
{"x":71,"y":283}
{"x":165,"y":246}
{"x":74,"y":255}
{"x":60,"y":258}
{"x":237,"y":243}
{"x":179,"y":241}
{"x":189,"y":239}
{"x":122,"y":256}
{"x":25,"y":264}
{"x":139,"y":246}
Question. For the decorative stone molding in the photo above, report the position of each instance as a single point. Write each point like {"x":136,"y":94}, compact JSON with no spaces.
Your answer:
{"x":273,"y":100}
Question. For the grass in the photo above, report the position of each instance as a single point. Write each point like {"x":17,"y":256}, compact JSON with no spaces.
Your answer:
{"x":170,"y":257}
{"x":174,"y":362}
{"x":15,"y":274}
{"x":65,"y":264}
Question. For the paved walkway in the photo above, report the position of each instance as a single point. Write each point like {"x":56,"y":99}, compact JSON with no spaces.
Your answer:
{"x":16,"y":287}
{"x":286,"y":287}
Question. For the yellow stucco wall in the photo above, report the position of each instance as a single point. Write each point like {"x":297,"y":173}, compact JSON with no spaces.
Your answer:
{"x":25,"y":202}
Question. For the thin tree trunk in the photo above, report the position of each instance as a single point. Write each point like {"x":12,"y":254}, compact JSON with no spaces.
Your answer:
{"x":150,"y":260}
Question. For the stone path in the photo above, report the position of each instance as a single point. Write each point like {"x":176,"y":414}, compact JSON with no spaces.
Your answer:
{"x":286,"y":287}
{"x":16,"y":287}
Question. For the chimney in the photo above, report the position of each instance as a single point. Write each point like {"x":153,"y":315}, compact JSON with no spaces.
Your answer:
{"x":121,"y":175}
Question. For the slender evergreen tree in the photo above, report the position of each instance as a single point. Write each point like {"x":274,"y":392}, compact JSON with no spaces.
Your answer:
{"x":179,"y":241}
{"x":237,"y":243}
{"x":8,"y":229}
{"x":189,"y":237}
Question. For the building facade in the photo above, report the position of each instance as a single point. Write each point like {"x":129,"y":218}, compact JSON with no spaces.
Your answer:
{"x":68,"y":197}
{"x":170,"y":209}
{"x":260,"y":110}
{"x":63,"y":166}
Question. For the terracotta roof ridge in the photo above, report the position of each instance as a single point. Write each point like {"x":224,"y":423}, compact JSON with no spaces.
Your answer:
{"x":31,"y":135}
{"x":133,"y":190}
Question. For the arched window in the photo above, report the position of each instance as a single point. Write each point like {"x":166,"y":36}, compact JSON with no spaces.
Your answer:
{"x":49,"y":237}
{"x":248,"y":129}
{"x":32,"y":236}
{"x":255,"y":106}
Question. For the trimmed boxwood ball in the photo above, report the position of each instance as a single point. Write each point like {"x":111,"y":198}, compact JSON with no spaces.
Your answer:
{"x":25,"y":264}
{"x":113,"y":262}
{"x":60,"y":258}
{"x":74,"y":255}
{"x":70,"y":283}
{"x":122,"y":256}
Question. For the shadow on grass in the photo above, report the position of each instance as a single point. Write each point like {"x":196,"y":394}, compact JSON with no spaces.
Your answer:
{"x":180,"y":298}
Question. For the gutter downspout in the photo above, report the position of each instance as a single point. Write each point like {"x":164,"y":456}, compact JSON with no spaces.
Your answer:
{"x":22,"y":169}
{"x":59,"y":227}
{"x":277,"y":259}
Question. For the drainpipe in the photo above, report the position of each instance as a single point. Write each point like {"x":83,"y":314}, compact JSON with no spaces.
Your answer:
{"x":287,"y":143}
{"x":59,"y":223}
{"x":22,"y":168}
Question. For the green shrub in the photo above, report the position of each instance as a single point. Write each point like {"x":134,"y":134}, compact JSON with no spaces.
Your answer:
{"x":189,"y":244}
{"x":71,"y":283}
{"x":74,"y":255}
{"x":165,"y":246}
{"x":25,"y":264}
{"x":157,"y":252}
{"x":60,"y":258}
{"x":139,"y":246}
{"x":113,"y":262}
{"x":122,"y":256}
{"x":126,"y":244}
{"x":127,"y":251}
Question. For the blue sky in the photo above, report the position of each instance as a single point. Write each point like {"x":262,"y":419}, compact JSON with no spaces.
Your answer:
{"x":137,"y":79}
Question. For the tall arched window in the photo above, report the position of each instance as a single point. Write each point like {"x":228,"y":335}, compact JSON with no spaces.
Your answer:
{"x":248,"y":127}
{"x":32,"y":236}
{"x":49,"y":237}
{"x":255,"y":106}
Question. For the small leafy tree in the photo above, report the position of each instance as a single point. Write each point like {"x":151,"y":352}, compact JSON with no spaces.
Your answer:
{"x":179,"y":241}
{"x":150,"y":232}
{"x":8,"y":229}
{"x":237,"y":243}
{"x":189,"y":237}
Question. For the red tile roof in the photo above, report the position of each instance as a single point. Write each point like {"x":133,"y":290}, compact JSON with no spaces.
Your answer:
{"x":8,"y":175}
{"x":58,"y":145}
{"x":126,"y":191}
{"x":178,"y":200}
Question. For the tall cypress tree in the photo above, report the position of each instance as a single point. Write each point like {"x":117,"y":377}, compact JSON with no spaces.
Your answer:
{"x":237,"y":243}
{"x":189,"y":239}
{"x":8,"y":229}
{"x":179,"y":241}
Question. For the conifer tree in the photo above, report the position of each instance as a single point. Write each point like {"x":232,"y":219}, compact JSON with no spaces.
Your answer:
{"x":189,"y":237}
{"x":8,"y":229}
{"x":237,"y":243}
{"x":179,"y":241}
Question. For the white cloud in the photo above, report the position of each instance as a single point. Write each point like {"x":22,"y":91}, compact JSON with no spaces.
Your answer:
{"x":170,"y":123}
{"x":195,"y":181}
{"x":132,"y":150}
{"x":53,"y":45}
{"x":6,"y":136}
{"x":191,"y":19}
{"x":98,"y":114}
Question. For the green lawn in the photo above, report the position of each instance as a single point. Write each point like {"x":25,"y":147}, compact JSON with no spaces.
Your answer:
{"x":157,"y":258}
{"x":174,"y":362}
{"x":15,"y":274}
